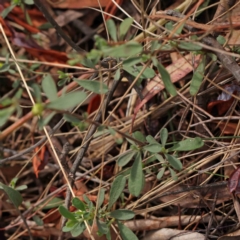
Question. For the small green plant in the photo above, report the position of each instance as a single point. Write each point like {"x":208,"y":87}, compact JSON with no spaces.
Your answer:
{"x":85,"y":213}
{"x":159,"y":152}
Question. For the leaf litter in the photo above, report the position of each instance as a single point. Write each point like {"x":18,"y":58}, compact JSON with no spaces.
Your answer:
{"x":142,"y":169}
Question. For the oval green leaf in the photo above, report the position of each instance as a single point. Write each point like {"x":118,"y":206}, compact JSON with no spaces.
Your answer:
{"x":77,"y":203}
{"x":188,"y":144}
{"x":174,"y":162}
{"x":67,"y":101}
{"x":197,"y":77}
{"x":125,"y":158}
{"x":65,"y":213}
{"x":124,"y":27}
{"x":160,"y":173}
{"x":190,"y":46}
{"x":112,"y":30}
{"x":151,"y":139}
{"x":128,"y":49}
{"x":122,"y":214}
{"x":93,"y":86}
{"x":101,"y":197}
{"x":78,"y":229}
{"x":13,"y":195}
{"x":165,"y":77}
{"x":164,"y":136}
{"x":153,"y":147}
{"x":126,"y":233}
{"x":49,"y":87}
{"x":173,"y":174}
{"x":136,"y":183}
{"x":139,"y":136}
{"x":116,"y":189}
{"x":102,"y":227}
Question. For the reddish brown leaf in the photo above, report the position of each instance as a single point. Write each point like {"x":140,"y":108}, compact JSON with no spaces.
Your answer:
{"x":228,"y":128}
{"x":94,"y":104}
{"x":40,"y":159}
{"x":221,"y":106}
{"x":224,"y":100}
{"x":111,"y":8}
{"x":233,"y":182}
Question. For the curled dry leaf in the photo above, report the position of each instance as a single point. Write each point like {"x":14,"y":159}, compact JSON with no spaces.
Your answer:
{"x":224,"y":100}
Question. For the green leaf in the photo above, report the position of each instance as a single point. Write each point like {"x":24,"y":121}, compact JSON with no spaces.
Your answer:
{"x":21,"y":187}
{"x":29,"y":2}
{"x":134,"y":71}
{"x":7,"y":10}
{"x":102,"y":227}
{"x":101,"y":197}
{"x":165,"y":77}
{"x":125,"y":158}
{"x":67,"y":101}
{"x":53,"y":203}
{"x":160,"y":173}
{"x":132,"y":61}
{"x":135,"y":183}
{"x":5,"y":114}
{"x":77,"y":203}
{"x":38,"y":220}
{"x":164,"y":136}
{"x":174,"y":162}
{"x":169,"y":25}
{"x":153,"y":147}
{"x":37,"y":92}
{"x":188,"y":144}
{"x":112,"y":30}
{"x":155,"y":45}
{"x":13,"y":182}
{"x":93,"y":86}
{"x":65,"y":213}
{"x":139,"y":136}
{"x":159,"y":158}
{"x":202,"y":8}
{"x":125,"y":50}
{"x":150,"y":139}
{"x":190,"y":46}
{"x":126,"y":233}
{"x":70,"y":224}
{"x":78,"y":229}
{"x":44,"y":121}
{"x":116,"y":189}
{"x":173,"y":174}
{"x":122,"y":214}
{"x":49,"y":87}
{"x":124,"y":27}
{"x":70,"y":118}
{"x":87,"y":200}
{"x":117,"y":74}
{"x":221,"y":39}
{"x":45,"y":26}
{"x":13,"y":195}
{"x":5,"y":67}
{"x":197,"y":77}
{"x":85,"y":61}
{"x":95,"y":56}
